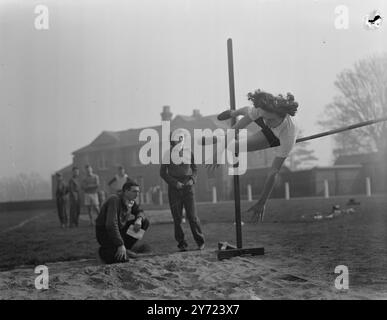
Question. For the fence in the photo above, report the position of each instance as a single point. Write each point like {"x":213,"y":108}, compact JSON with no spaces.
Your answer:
{"x":27,"y":205}
{"x":285,"y":190}
{"x":322,"y":188}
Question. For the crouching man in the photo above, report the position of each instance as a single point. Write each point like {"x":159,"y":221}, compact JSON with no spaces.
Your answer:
{"x":120,"y":224}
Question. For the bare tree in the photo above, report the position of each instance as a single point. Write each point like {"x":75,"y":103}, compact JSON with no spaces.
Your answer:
{"x":24,"y":187}
{"x":301,"y":156}
{"x":363,"y":96}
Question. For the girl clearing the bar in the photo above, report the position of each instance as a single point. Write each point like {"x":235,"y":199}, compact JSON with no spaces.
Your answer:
{"x":274,"y":115}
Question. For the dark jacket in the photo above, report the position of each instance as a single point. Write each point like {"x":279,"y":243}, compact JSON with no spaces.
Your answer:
{"x":74,"y":188}
{"x":113,"y":216}
{"x":173,"y":173}
{"x":61,"y":190}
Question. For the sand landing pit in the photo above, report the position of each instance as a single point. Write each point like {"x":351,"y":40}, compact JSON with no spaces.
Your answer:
{"x":186,"y":275}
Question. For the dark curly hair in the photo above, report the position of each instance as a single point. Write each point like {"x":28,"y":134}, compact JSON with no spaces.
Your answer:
{"x":274,"y":104}
{"x":129,"y":184}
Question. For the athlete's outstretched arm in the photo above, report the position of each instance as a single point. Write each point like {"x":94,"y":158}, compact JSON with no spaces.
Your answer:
{"x":270,"y":179}
{"x":258,"y":209}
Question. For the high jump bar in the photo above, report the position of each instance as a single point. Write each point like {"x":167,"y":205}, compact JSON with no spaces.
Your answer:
{"x":334,"y":131}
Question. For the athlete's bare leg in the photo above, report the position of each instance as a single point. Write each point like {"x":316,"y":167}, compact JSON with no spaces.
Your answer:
{"x":256,"y":141}
{"x":240,"y":112}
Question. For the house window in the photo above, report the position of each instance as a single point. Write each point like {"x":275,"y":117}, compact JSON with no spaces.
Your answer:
{"x":86,"y":159}
{"x":102,"y":163}
{"x":117,"y":158}
{"x":134,"y":158}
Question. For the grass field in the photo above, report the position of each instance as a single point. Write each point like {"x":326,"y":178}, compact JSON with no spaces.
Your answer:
{"x":312,"y":248}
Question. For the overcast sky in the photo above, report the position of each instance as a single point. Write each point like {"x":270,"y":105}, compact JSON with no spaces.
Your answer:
{"x":112,"y":65}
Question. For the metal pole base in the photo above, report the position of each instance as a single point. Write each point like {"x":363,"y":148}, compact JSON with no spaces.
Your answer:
{"x":227,"y":251}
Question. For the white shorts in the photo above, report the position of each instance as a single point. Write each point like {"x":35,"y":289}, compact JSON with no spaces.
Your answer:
{"x":91,"y":199}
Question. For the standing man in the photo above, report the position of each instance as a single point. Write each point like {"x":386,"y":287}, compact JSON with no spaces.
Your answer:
{"x":75,"y":198}
{"x":120,"y":224}
{"x":61,"y":191}
{"x":119,"y":179}
{"x":90,"y":187}
{"x":181,"y":179}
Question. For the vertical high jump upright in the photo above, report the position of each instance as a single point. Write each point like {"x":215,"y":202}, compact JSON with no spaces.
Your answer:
{"x":237,"y":198}
{"x":232,"y":252}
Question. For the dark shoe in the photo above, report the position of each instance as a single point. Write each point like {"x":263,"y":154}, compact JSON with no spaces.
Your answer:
{"x":201,"y":247}
{"x":225,"y":115}
{"x":353,"y":202}
{"x":182,"y":246}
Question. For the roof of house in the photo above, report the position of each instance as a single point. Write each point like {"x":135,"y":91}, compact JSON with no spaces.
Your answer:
{"x":65,"y":169}
{"x":114,"y":139}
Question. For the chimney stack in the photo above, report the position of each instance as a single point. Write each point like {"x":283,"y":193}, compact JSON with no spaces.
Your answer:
{"x":166,"y":115}
{"x":196,"y":113}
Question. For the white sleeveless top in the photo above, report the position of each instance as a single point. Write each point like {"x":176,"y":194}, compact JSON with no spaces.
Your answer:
{"x":286,"y":132}
{"x":120,"y":181}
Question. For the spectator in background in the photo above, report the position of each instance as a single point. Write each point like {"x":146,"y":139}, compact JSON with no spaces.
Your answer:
{"x":120,"y":224}
{"x":75,"y":198}
{"x":157,"y":195}
{"x":119,"y":179}
{"x":154,"y":195}
{"x":181,"y":179}
{"x":61,"y":192}
{"x":90,"y":185}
